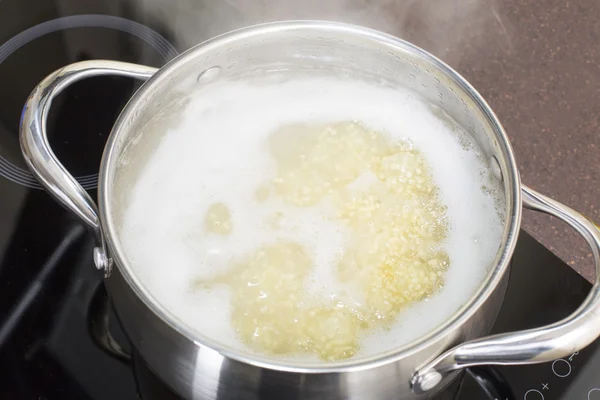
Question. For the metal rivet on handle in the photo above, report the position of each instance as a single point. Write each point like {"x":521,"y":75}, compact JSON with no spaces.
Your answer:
{"x":100,"y":258}
{"x":426,"y":382}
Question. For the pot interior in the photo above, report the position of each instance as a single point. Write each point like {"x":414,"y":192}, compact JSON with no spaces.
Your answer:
{"x":311,"y":48}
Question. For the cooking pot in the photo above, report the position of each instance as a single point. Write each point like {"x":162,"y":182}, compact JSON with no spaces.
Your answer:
{"x":197,"y":367}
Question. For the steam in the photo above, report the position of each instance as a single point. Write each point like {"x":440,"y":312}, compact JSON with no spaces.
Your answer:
{"x":447,"y":28}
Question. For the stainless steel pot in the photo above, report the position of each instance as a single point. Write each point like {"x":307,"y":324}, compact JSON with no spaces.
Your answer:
{"x":197,"y":367}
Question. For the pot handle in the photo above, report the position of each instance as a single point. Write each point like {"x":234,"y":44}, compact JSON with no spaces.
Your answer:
{"x":39,"y":156}
{"x":531,"y":346}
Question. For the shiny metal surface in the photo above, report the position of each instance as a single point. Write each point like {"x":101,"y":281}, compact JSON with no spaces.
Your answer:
{"x":197,"y":371}
{"x":39,"y":156}
{"x":538,"y":345}
{"x":198,"y":367}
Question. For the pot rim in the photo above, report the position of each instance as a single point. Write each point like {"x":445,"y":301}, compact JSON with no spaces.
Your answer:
{"x":501,"y":262}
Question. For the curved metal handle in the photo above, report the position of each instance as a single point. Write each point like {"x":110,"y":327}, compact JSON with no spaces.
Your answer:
{"x":532,"y":346}
{"x":39,"y":156}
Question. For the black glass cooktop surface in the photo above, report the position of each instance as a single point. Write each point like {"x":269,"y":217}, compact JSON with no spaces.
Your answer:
{"x":51,"y":297}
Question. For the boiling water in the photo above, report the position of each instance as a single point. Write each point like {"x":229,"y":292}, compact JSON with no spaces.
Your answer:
{"x":200,"y":204}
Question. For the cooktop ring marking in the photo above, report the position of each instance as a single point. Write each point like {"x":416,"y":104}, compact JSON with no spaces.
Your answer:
{"x":166,"y":50}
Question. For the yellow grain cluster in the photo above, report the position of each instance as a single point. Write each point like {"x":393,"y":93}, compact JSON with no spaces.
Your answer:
{"x":384,"y":194}
{"x":272,"y":312}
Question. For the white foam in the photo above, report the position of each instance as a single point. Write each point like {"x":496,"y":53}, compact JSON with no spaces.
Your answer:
{"x":218,"y":153}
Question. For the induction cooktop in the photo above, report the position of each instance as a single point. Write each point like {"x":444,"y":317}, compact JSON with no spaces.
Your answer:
{"x":53,"y":310}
